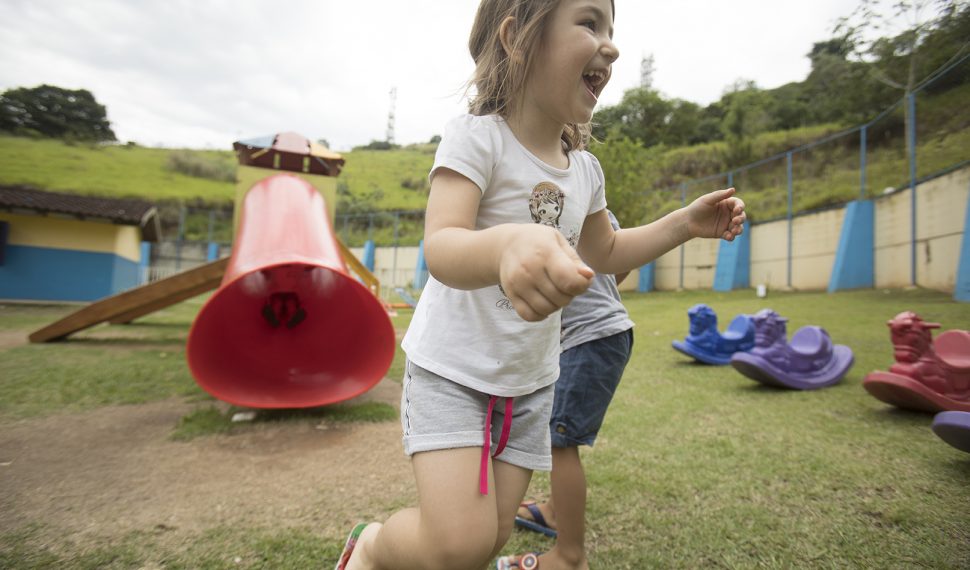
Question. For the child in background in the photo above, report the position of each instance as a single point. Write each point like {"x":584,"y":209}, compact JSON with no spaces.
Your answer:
{"x":511,"y":189}
{"x":597,"y":340}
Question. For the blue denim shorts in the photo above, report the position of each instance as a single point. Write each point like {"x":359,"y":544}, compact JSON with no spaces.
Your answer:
{"x":588,"y":377}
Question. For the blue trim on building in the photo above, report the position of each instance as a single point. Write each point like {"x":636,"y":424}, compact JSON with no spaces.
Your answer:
{"x":854,"y":266}
{"x":421,"y":269}
{"x":46,"y":274}
{"x":961,"y":291}
{"x":4,"y":235}
{"x":647,"y":276}
{"x":125,"y":275}
{"x":733,"y":269}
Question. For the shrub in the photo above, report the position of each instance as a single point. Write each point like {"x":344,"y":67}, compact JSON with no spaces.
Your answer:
{"x":199,"y":165}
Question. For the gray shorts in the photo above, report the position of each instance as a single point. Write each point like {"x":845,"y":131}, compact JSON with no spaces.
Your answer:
{"x":437,"y":413}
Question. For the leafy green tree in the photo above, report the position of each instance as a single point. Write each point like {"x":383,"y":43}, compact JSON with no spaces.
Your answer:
{"x":746,"y":115}
{"x":51,"y":111}
{"x":644,"y":115}
{"x":839,"y":89}
{"x":897,"y":60}
{"x":789,"y":107}
{"x":622,"y":159}
{"x":641,"y":115}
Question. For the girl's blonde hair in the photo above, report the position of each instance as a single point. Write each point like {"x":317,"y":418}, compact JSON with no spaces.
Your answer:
{"x":500,"y":78}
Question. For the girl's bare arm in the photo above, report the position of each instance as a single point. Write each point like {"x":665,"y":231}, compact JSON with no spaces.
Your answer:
{"x":717,"y":214}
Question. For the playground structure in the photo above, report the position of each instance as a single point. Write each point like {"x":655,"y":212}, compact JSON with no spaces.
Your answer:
{"x":808,"y":362}
{"x":953,"y":428}
{"x":928,"y":375}
{"x":706,"y":344}
{"x":289,"y":326}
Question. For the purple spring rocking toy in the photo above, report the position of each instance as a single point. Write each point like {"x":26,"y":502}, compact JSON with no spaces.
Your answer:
{"x":809,"y":362}
{"x":953,"y":427}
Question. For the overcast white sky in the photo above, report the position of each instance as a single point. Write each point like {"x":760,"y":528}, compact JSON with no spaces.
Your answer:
{"x":203,"y":73}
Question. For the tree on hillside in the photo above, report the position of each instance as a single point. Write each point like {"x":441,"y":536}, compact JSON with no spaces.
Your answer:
{"x":893,"y":38}
{"x":840,"y":90}
{"x":54,"y":112}
{"x":645,"y":116}
{"x":622,"y":160}
{"x":746,"y":115}
{"x":894,"y":58}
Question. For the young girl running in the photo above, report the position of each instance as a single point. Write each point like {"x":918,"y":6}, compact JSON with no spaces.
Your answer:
{"x":513,"y":192}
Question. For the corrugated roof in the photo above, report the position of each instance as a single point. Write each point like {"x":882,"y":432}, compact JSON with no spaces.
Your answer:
{"x":125,"y":211}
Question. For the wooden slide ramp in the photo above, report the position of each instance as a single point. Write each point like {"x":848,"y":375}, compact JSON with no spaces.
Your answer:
{"x":129,"y":305}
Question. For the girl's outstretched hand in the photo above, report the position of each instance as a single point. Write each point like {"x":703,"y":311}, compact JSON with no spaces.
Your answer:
{"x":540,"y":272}
{"x":719,"y":214}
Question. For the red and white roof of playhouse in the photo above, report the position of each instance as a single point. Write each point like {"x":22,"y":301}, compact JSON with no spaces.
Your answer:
{"x":289,"y":151}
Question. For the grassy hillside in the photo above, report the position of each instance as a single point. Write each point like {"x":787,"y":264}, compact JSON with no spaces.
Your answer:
{"x":134,"y":171}
{"x":822,"y":176}
{"x":401,"y":176}
{"x":106,"y":170}
{"x":375,"y":180}
{"x":371,"y":180}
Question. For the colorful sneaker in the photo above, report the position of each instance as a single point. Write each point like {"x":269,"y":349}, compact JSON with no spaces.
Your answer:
{"x":528,"y":561}
{"x":349,"y":546}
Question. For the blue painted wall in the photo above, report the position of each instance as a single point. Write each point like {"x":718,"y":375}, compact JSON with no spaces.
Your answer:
{"x":961,"y":292}
{"x":854,"y":266}
{"x":421,"y":269}
{"x":44,"y":274}
{"x":4,"y":233}
{"x":733,"y":269}
{"x":369,"y":249}
{"x":647,"y":276}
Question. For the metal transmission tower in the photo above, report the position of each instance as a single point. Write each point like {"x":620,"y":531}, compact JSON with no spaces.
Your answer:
{"x":390,"y":116}
{"x":646,"y":71}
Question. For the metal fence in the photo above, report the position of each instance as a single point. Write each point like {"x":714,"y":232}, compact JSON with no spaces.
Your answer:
{"x":864,"y":162}
{"x":384,"y":228}
{"x":886,"y":154}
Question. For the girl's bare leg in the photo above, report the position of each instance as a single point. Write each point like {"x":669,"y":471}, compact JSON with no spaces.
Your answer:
{"x":454,"y":526}
{"x":568,"y":502}
{"x":510,"y":485}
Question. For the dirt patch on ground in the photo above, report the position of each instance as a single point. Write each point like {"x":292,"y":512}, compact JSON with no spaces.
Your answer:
{"x":101,"y":474}
{"x":10,"y":339}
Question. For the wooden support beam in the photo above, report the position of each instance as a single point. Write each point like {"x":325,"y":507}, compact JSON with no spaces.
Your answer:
{"x":359,"y":268}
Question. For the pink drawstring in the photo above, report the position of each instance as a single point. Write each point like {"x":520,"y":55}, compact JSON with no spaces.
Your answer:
{"x":503,"y":439}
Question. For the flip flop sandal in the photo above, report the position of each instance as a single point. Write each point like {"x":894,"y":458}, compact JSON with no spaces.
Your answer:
{"x":528,"y":561}
{"x":349,"y":546}
{"x":538,"y":522}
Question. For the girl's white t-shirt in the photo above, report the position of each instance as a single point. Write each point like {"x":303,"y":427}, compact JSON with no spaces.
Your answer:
{"x":475,"y":338}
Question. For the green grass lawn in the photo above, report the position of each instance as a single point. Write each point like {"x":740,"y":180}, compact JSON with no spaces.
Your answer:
{"x":696,"y":466}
